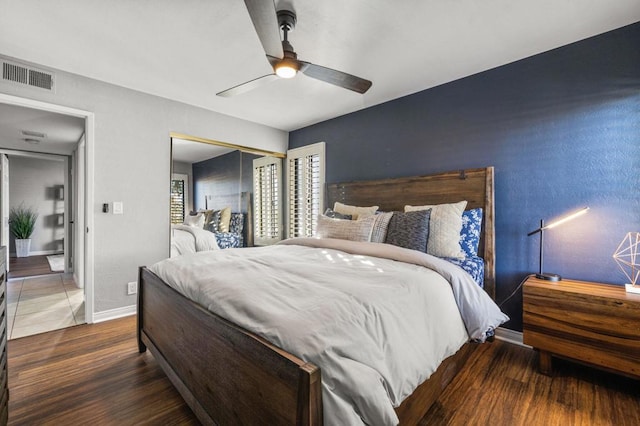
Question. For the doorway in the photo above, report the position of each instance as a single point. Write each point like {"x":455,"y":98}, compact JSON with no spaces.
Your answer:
{"x":35,"y":186}
{"x":75,"y":281}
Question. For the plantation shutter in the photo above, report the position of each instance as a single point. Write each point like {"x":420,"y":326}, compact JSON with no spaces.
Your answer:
{"x":179,"y":197}
{"x":267,"y":200}
{"x":305,"y":180}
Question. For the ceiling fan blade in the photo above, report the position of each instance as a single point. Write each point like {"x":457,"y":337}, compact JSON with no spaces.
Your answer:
{"x":249,"y":85}
{"x":337,"y":78}
{"x":265,"y":21}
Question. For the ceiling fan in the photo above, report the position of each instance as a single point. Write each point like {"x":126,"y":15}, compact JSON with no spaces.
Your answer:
{"x":281,"y":55}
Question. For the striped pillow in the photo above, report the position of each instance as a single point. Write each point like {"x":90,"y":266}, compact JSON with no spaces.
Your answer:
{"x":380,"y":226}
{"x":354,"y":230}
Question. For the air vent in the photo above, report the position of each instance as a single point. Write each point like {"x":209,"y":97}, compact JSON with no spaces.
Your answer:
{"x":26,"y":75}
{"x":40,"y":79}
{"x":33,"y":134}
{"x":15,"y":73}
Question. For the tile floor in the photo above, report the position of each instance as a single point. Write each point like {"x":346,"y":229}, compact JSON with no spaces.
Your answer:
{"x":43,"y":303}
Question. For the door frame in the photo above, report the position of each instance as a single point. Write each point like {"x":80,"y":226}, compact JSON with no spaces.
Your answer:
{"x":89,"y":120}
{"x":4,"y":205}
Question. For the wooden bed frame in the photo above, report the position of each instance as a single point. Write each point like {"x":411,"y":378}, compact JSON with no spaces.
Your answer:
{"x":228,"y":375}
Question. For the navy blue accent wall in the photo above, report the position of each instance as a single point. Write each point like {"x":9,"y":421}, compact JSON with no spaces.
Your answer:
{"x":247,"y":172}
{"x":562,"y":130}
{"x":222,"y":179}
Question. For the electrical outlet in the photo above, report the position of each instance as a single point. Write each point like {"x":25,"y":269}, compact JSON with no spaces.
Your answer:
{"x":132,"y":287}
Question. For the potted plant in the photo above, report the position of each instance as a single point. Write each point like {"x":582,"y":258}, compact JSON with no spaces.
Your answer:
{"x":22,"y":221}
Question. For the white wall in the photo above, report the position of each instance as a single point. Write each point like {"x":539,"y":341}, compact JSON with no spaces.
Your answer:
{"x":132,"y":165}
{"x":33,"y":182}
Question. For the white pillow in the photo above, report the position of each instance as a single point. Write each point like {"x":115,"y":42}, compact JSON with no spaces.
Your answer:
{"x":354,"y":230}
{"x":354,"y":211}
{"x":444,"y":228}
{"x":196,"y":221}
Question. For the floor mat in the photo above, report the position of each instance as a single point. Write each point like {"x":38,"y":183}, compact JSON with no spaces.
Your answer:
{"x":56,"y":262}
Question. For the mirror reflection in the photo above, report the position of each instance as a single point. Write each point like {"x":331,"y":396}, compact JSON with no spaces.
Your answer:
{"x":213,"y":189}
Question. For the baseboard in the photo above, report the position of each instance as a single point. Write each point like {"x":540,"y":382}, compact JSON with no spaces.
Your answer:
{"x":114,"y":313}
{"x":510,"y":336}
{"x":45,"y":252}
{"x":38,"y":253}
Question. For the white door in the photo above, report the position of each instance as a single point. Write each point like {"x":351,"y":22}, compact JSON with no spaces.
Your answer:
{"x":79,"y":222}
{"x":4,"y":204}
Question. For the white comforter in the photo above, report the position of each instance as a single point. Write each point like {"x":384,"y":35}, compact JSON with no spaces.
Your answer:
{"x":377,"y":325}
{"x":189,"y":239}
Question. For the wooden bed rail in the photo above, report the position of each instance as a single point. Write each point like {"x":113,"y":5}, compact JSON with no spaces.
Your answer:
{"x":226,"y":374}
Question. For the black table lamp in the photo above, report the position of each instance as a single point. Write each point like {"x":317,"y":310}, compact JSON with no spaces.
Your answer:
{"x":543,"y":227}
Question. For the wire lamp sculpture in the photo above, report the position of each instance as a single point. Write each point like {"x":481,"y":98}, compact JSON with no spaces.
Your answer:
{"x":627,"y":256}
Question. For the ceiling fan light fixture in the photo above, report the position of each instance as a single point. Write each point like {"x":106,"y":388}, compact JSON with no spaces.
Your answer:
{"x":287,"y":68}
{"x":281,"y":55}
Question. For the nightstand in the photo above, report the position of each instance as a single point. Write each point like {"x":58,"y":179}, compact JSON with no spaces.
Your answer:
{"x":592,"y":323}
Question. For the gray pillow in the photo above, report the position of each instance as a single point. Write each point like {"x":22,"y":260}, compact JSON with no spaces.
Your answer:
{"x":409,"y":230}
{"x":335,"y":215}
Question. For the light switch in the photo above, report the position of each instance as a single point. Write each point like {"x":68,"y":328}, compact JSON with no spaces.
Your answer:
{"x":117,"y":207}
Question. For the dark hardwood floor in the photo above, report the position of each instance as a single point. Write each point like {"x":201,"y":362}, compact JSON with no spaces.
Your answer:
{"x":29,"y":266}
{"x":90,"y":374}
{"x":93,"y":374}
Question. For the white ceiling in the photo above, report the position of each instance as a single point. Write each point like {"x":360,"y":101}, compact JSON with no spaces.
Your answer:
{"x":193,"y":152}
{"x":62,"y":131}
{"x":189,"y":50}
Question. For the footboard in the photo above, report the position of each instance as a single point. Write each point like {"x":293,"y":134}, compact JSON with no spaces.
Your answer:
{"x":226,"y":374}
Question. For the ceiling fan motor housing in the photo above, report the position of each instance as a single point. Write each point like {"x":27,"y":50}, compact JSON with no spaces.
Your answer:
{"x":286,"y":20}
{"x":288,"y":65}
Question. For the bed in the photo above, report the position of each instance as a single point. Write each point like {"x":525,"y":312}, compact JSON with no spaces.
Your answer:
{"x":229,"y":375}
{"x":191,"y":238}
{"x":186,"y":239}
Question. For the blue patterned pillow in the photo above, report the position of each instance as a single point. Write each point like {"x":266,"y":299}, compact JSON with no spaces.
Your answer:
{"x":474,"y":266}
{"x":470,"y":232}
{"x":229,"y":240}
{"x":409,"y":229}
{"x":236,"y":223}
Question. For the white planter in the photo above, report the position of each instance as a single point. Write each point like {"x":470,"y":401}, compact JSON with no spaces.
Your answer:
{"x":22,"y":247}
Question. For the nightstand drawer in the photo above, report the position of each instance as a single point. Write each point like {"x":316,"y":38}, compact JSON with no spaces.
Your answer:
{"x":593,"y":323}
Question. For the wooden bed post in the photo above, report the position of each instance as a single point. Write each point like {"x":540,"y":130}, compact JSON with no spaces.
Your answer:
{"x":141,"y":346}
{"x":309,"y":396}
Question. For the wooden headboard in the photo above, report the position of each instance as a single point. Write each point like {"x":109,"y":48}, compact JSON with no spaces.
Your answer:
{"x":473,"y":185}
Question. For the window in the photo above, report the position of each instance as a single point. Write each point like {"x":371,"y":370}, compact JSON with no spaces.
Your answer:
{"x":179,"y":197}
{"x":305,"y":181}
{"x":267,"y":200}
